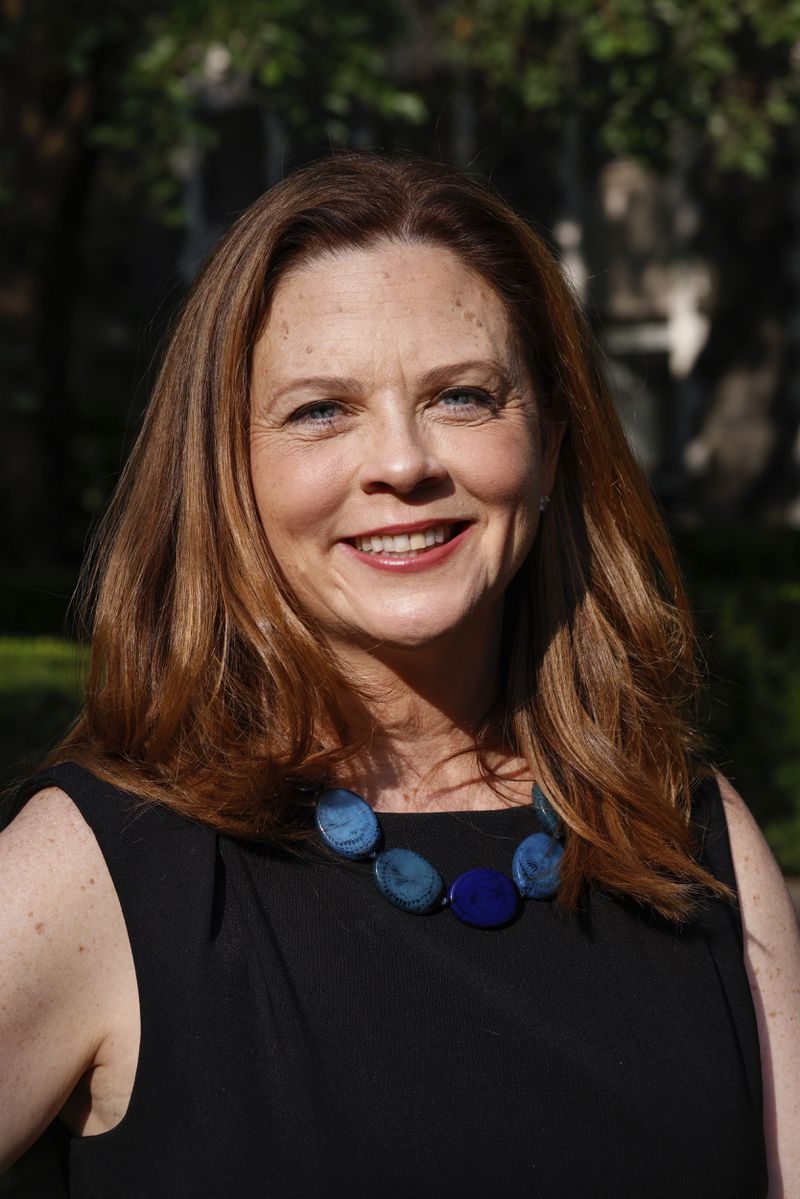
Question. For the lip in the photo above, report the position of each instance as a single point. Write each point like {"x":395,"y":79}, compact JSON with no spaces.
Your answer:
{"x":410,"y":526}
{"x":398,"y":563}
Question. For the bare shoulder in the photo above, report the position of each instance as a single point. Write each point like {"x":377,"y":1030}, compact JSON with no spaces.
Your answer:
{"x":765,"y":902}
{"x":55,"y":861}
{"x":47,"y":816}
{"x":61,"y":935}
{"x":772,"y":959}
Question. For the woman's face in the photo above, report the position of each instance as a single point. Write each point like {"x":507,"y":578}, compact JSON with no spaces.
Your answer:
{"x":395,"y":456}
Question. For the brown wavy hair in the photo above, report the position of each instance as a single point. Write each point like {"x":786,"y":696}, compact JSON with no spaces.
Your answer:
{"x":209,"y":684}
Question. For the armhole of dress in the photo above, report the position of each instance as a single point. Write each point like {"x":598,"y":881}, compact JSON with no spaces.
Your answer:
{"x":137,"y":841}
{"x":713,"y":842}
{"x":77,"y":784}
{"x":720,"y":922}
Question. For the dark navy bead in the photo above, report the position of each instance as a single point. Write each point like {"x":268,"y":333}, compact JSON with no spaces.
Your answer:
{"x":408,"y":881}
{"x":546,"y":815}
{"x":536,"y":866}
{"x":347,"y":823}
{"x":483,"y":898}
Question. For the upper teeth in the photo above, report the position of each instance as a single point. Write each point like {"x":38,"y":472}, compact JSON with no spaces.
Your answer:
{"x":398,"y":543}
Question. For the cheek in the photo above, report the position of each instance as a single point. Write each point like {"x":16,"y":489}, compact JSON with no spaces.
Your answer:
{"x":297,"y":493}
{"x":503,"y":472}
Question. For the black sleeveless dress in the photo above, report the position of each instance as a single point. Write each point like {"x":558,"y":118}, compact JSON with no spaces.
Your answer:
{"x":303,"y":1038}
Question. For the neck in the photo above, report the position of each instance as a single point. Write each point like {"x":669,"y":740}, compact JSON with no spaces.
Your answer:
{"x":428,"y":703}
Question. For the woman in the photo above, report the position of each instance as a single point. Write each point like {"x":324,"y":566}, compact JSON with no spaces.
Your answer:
{"x":381,"y":536}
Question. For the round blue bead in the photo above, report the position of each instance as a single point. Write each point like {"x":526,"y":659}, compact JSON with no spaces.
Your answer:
{"x":347,"y":823}
{"x":546,"y":815}
{"x":536,"y":865}
{"x":408,"y":880}
{"x":483,"y":898}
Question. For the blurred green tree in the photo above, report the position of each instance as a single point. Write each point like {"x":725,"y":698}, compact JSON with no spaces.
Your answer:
{"x":642,"y":71}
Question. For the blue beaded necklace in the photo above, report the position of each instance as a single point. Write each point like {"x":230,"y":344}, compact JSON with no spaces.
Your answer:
{"x":483,"y":898}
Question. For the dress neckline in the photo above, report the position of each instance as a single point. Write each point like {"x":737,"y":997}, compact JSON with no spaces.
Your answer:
{"x":487,"y":815}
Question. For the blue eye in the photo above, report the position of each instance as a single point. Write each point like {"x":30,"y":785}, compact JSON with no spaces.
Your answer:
{"x":322,"y":413}
{"x":467,"y":398}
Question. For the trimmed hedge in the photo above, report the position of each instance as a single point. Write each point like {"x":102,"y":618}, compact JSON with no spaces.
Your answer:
{"x":40,"y":688}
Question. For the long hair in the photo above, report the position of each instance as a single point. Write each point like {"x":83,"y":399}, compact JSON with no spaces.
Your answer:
{"x":209,"y":684}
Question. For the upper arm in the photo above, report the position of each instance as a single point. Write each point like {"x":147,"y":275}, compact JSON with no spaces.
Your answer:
{"x":772,"y":960}
{"x":57,"y":942}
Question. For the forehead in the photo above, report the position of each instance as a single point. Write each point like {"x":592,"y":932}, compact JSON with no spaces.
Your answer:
{"x":377,"y":305}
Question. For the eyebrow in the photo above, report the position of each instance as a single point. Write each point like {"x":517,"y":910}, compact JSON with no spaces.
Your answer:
{"x":433,"y":379}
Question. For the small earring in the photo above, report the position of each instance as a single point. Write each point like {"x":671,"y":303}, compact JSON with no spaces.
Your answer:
{"x":543,"y":502}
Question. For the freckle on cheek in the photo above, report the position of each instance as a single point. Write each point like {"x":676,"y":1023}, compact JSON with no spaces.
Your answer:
{"x":309,"y":349}
{"x":39,"y":927}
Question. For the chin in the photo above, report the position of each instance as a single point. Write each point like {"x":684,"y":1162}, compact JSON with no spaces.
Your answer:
{"x":410,"y":634}
{"x":417,"y":640}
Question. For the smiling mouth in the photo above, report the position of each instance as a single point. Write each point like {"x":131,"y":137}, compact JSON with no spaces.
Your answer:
{"x":407,"y":544}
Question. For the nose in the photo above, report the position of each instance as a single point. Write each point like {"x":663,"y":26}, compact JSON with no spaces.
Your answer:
{"x":399,"y":455}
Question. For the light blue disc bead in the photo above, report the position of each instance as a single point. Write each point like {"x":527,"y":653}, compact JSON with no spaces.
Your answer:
{"x":347,"y":823}
{"x":546,"y":815}
{"x":408,"y":881}
{"x":536,"y":866}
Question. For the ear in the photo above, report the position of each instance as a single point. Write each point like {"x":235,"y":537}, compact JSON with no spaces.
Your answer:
{"x":554,"y":435}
